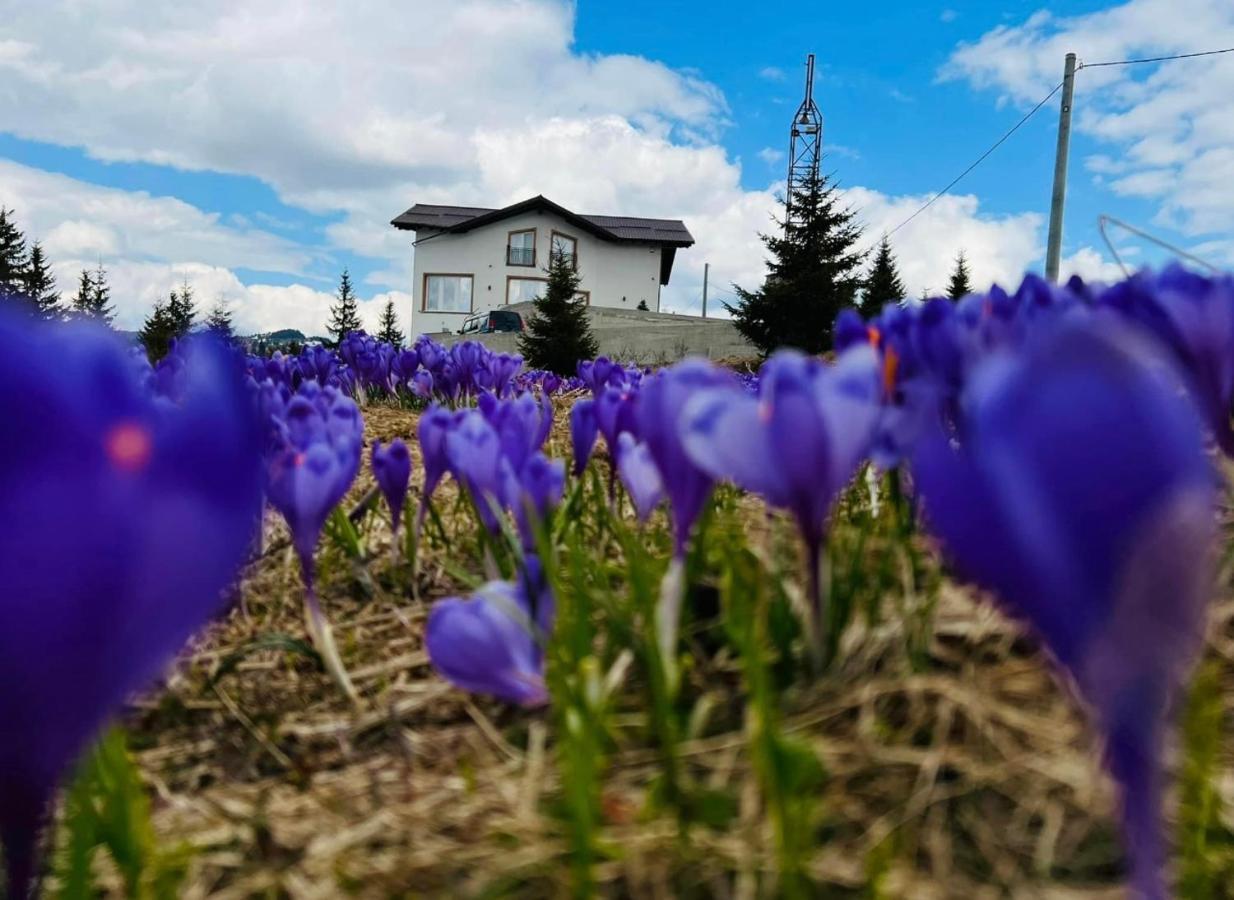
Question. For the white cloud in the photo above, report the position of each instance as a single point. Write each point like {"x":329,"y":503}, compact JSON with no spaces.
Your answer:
{"x":361,"y":110}
{"x":948,"y":15}
{"x":75,"y":219}
{"x":323,"y":96}
{"x":1091,"y":265}
{"x":1169,"y":126}
{"x":772,"y":73}
{"x":998,"y":248}
{"x":771,"y":156}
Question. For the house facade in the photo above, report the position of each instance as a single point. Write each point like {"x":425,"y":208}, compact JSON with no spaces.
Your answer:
{"x":470,"y":259}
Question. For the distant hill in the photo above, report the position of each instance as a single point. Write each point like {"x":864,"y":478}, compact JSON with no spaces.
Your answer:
{"x":284,"y":335}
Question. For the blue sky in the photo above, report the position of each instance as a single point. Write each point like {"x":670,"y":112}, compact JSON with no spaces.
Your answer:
{"x":256,"y":150}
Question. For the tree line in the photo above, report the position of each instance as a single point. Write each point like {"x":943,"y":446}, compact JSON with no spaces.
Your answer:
{"x":26,"y":277}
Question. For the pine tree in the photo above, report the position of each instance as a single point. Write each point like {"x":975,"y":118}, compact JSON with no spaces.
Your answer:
{"x":558,"y":336}
{"x":181,"y":312}
{"x":389,"y":330}
{"x":93,"y":297}
{"x":219,"y":320}
{"x":83,"y":301}
{"x":40,"y":285}
{"x":960,"y":285}
{"x":157,"y":332}
{"x":883,"y":285}
{"x":344,"y":315}
{"x":12,"y":255}
{"x":813,"y":273}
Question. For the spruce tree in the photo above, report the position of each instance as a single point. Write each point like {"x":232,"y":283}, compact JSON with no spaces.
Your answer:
{"x":12,"y":255}
{"x":558,"y":337}
{"x":389,"y":330}
{"x":93,"y":297}
{"x":181,"y":312}
{"x":960,"y":285}
{"x":158,"y":331}
{"x":83,"y":301}
{"x":41,"y":285}
{"x":813,"y":273}
{"x":219,"y":320}
{"x":883,"y":285}
{"x":102,"y":308}
{"x":344,"y":315}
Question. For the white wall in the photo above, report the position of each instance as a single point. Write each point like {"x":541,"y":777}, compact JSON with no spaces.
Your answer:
{"x":614,"y":274}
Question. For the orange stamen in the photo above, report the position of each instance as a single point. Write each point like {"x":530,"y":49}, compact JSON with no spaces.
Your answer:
{"x":891,"y":363}
{"x":128,"y":446}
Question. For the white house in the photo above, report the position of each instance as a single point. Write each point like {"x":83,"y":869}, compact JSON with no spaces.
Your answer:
{"x":471,"y":260}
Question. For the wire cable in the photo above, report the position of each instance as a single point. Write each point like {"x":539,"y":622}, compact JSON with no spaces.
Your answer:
{"x":980,"y":159}
{"x":1042,"y":102}
{"x":1104,"y":220}
{"x":1152,"y":59}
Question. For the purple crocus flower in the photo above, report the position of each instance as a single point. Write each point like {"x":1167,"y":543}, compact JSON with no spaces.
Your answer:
{"x":523,"y":423}
{"x":530,"y":492}
{"x":798,"y":443}
{"x":468,"y":359}
{"x":403,"y":366}
{"x":491,"y":642}
{"x":662,"y":400}
{"x":432,"y":430}
{"x":431,"y":353}
{"x":392,"y":469}
{"x":849,"y":330}
{"x":616,"y":412}
{"x":1081,"y":495}
{"x":661,"y":403}
{"x":126,"y":517}
{"x":1193,"y":315}
{"x":308,"y":476}
{"x":422,"y":383}
{"x":311,"y":473}
{"x":640,"y":476}
{"x":583,"y":432}
{"x":501,"y":368}
{"x":475,"y":453}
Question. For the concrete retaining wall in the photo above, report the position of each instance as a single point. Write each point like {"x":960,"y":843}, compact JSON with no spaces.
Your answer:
{"x":646,"y":338}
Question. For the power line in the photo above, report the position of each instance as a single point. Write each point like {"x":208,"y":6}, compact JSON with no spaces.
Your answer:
{"x":980,"y":159}
{"x":1033,"y":111}
{"x":1153,"y":59}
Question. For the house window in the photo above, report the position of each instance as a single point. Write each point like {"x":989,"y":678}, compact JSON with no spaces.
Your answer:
{"x":447,"y":293}
{"x":519,"y":290}
{"x":566,"y":246}
{"x":521,"y":248}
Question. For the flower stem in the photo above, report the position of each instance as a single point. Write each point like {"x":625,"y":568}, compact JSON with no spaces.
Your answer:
{"x":323,"y":636}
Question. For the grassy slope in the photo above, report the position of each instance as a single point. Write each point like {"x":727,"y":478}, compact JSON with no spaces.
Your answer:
{"x":963,"y":773}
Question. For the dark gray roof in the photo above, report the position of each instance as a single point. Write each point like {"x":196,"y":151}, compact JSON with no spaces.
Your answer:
{"x":633,"y":228}
{"x":612,"y":228}
{"x":430,"y":215}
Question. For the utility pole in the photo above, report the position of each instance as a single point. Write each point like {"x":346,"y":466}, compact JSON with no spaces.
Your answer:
{"x":706,"y":276}
{"x":1054,"y":243}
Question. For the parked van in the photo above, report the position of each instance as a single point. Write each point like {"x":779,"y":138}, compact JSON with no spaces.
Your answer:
{"x":492,"y":321}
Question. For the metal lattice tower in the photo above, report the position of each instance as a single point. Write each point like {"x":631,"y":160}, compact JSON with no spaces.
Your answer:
{"x":806,"y":144}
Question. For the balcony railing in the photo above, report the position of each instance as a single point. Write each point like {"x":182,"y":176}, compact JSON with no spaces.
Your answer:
{"x":520,"y":256}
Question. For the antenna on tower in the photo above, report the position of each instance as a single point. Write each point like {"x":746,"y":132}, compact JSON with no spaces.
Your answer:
{"x":805,"y":144}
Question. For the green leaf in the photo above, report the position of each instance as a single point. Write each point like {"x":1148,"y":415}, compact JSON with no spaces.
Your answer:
{"x":107,"y":807}
{"x":344,"y":534}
